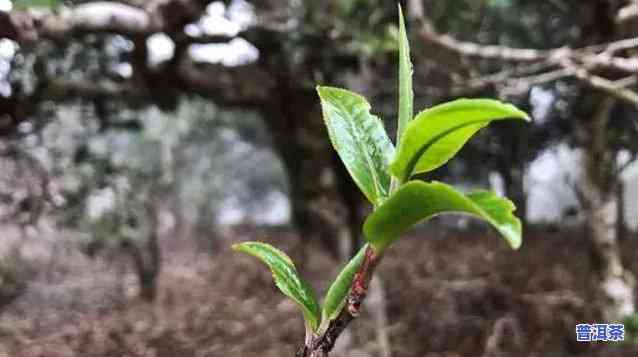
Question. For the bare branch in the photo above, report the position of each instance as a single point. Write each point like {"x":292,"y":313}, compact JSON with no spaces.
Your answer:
{"x":518,"y":77}
{"x":520,"y":85}
{"x":616,"y":89}
{"x":627,"y":13}
{"x":606,"y":61}
{"x":62,"y":89}
{"x":579,"y":63}
{"x":28,"y":27}
{"x":611,"y":48}
{"x":470,"y":49}
{"x":593,"y":57}
{"x":168,"y":16}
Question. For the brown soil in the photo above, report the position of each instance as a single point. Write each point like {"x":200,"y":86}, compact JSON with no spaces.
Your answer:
{"x":448,"y":294}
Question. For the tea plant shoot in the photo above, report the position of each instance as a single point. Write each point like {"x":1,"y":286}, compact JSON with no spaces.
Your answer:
{"x":384,"y":172}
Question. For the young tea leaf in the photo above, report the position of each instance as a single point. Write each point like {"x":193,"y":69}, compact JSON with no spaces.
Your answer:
{"x":286,"y":278}
{"x":360,"y":140}
{"x":417,"y":201}
{"x":437,"y":134}
{"x":406,"y":95}
{"x":338,"y":291}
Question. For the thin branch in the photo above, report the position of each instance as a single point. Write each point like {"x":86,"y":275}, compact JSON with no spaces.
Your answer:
{"x":62,"y":89}
{"x":521,"y":77}
{"x":601,"y":59}
{"x":627,"y":13}
{"x":27,"y":27}
{"x":606,"y":61}
{"x":520,"y":85}
{"x":320,"y":346}
{"x":579,"y":63}
{"x":167,"y":16}
{"x":612,"y":47}
{"x":616,"y":88}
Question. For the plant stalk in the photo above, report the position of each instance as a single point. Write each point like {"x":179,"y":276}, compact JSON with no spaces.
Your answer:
{"x":320,"y":346}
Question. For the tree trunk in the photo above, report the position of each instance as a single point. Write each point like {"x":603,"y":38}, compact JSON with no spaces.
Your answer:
{"x":511,"y":164}
{"x":301,"y":140}
{"x":146,"y":276}
{"x":146,"y":260}
{"x":149,"y":279}
{"x":614,"y":284}
{"x":355,"y":203}
{"x":621,"y":226}
{"x":148,"y":285}
{"x":513,"y":182}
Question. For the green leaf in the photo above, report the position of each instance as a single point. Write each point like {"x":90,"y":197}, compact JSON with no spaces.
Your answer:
{"x":338,"y":291}
{"x":438,"y":133}
{"x":360,"y":140}
{"x":406,"y":95}
{"x":26,"y":4}
{"x":417,"y":201}
{"x":286,"y":278}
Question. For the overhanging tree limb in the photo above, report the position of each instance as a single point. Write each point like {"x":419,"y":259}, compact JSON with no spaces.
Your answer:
{"x":167,"y":16}
{"x":557,"y":63}
{"x":244,"y":86}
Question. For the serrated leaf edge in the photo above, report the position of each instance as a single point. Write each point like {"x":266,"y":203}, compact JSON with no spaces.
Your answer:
{"x":311,"y":317}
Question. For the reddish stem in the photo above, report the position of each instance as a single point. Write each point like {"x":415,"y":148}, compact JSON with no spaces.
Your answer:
{"x":320,"y":346}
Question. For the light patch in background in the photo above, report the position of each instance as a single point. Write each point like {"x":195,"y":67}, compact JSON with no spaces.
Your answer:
{"x":209,"y":25}
{"x":123,"y":69}
{"x":100,"y":202}
{"x":215,"y":8}
{"x":623,"y":157}
{"x":549,"y":182}
{"x":497,"y":184}
{"x":234,"y":53}
{"x":7,"y":51}
{"x":161,"y":48}
{"x":242,"y":13}
{"x":629,"y":178}
{"x":541,"y":101}
{"x":276,"y":211}
{"x":5,"y":5}
{"x":221,"y":21}
{"x":7,"y":48}
{"x":5,"y":87}
{"x":230,"y":214}
{"x":218,"y":20}
{"x":213,"y":23}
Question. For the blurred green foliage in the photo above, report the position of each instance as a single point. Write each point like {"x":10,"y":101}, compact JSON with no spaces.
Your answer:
{"x":27,"y":4}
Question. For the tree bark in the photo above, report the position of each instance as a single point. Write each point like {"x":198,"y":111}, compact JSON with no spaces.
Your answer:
{"x":151,"y":273}
{"x":614,"y":284}
{"x":146,"y":260}
{"x":513,"y":138}
{"x":621,"y":226}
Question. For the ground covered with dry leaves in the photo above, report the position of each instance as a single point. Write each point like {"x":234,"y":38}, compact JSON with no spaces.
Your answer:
{"x":447,"y":293}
